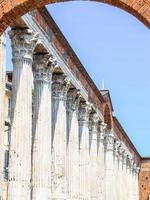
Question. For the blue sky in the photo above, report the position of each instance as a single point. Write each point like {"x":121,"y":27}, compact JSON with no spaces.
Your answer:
{"x":114,"y":46}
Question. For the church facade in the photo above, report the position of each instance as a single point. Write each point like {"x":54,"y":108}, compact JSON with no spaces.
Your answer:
{"x":59,"y":138}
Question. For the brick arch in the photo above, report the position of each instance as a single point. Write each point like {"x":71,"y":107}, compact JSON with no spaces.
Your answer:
{"x":10,"y":10}
{"x":108,"y":116}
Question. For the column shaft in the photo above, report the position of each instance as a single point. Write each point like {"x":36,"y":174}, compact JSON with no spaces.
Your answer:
{"x":2,"y":109}
{"x":59,"y":137}
{"x":41,"y":170}
{"x":23,"y":44}
{"x":84,"y":173}
{"x":109,"y":167}
{"x":101,"y":163}
{"x":73,"y":144}
{"x":93,"y":127}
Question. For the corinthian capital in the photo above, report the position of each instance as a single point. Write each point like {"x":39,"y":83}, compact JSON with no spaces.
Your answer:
{"x":60,"y":86}
{"x":109,"y":142}
{"x":84,"y":111}
{"x":73,"y":99}
{"x":93,"y":121}
{"x":23,"y":42}
{"x":43,"y":67}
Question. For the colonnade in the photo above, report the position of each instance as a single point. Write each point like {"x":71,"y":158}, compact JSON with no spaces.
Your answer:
{"x":60,"y":148}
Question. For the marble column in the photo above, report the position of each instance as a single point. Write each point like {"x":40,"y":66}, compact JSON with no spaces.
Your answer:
{"x":23,"y":42}
{"x":120,"y":171}
{"x":137,"y":197}
{"x":60,"y":87}
{"x":73,"y":100}
{"x":101,"y":161}
{"x":93,"y":136}
{"x":131,"y":179}
{"x":116,"y":168}
{"x":84,"y":173}
{"x":125,"y":182}
{"x":2,"y":110}
{"x":43,"y":67}
{"x":128,"y":177}
{"x":109,"y":166}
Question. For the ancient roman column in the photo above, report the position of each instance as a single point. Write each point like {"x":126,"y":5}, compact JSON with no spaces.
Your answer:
{"x":101,"y":161}
{"x":125,"y":182}
{"x":2,"y":110}
{"x":131,"y":178}
{"x":109,"y":166}
{"x":116,"y":168}
{"x":93,"y":136}
{"x":73,"y":100}
{"x":23,"y":42}
{"x":137,"y":197}
{"x":60,"y":87}
{"x":84,"y":172}
{"x":128,"y":176}
{"x":43,"y":67}
{"x":120,"y":171}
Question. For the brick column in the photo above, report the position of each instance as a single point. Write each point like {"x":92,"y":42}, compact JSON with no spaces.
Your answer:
{"x":23,"y":43}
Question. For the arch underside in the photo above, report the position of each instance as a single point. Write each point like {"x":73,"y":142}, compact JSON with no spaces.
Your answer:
{"x":11,"y":10}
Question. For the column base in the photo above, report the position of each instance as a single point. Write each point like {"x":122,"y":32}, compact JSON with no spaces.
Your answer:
{"x":41,"y":194}
{"x":18,"y":191}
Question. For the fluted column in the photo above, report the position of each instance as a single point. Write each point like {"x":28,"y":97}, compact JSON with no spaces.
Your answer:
{"x":120,"y":172}
{"x":128,"y":177}
{"x":60,"y":87}
{"x":109,"y":166}
{"x":73,"y":143}
{"x":125,"y":182}
{"x":137,"y":197}
{"x":101,"y":162}
{"x":84,"y":176}
{"x":43,"y":67}
{"x":131,"y":179}
{"x":23,"y":43}
{"x":93,"y":136}
{"x":116,"y":168}
{"x":2,"y":108}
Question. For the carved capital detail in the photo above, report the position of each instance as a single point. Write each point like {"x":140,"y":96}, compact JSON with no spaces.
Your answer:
{"x":102,"y":130}
{"x":84,"y":111}
{"x":93,"y":122}
{"x":23,"y":42}
{"x":116,"y":148}
{"x":43,"y":67}
{"x":73,"y":100}
{"x":109,"y":142}
{"x":60,"y":86}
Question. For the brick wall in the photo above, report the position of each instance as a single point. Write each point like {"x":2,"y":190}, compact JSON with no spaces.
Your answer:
{"x":144,"y":179}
